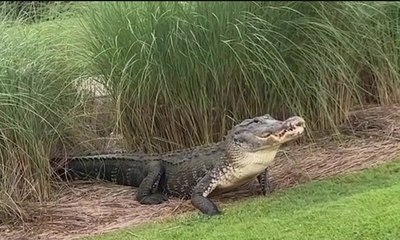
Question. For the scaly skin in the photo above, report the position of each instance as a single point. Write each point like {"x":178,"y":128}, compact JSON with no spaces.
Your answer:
{"x":197,"y":173}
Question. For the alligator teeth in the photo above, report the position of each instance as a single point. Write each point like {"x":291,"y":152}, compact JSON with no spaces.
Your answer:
{"x":289,"y":129}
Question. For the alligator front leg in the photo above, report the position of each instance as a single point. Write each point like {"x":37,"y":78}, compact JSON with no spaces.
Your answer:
{"x":199,"y":196}
{"x":265,"y":182}
{"x":145,"y":193}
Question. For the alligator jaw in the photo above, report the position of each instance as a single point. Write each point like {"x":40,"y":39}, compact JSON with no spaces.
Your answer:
{"x":290,"y":129}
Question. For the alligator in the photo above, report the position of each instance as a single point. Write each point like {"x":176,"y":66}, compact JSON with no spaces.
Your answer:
{"x":196,"y":173}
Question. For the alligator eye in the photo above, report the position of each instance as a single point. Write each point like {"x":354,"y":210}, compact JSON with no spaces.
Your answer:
{"x":237,"y":139}
{"x":256,"y":121}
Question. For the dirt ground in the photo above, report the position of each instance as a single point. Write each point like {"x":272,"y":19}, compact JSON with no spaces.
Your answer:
{"x":87,"y":208}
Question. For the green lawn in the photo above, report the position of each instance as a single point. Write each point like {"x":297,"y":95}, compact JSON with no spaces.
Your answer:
{"x":365,"y":205}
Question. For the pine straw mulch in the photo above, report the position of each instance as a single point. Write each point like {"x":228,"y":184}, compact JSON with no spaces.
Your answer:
{"x":87,"y":208}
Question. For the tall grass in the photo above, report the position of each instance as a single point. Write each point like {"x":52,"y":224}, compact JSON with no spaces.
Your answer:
{"x":37,"y":107}
{"x":33,"y":11}
{"x":182,"y":72}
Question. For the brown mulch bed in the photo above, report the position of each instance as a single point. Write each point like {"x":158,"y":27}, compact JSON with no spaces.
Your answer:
{"x":87,"y":208}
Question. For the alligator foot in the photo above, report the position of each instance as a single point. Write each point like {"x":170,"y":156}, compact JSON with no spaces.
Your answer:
{"x":145,"y":193}
{"x":265,"y":183}
{"x":153,"y":199}
{"x":205,"y":205}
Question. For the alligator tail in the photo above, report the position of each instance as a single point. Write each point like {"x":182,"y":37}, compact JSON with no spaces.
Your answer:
{"x":123,"y":170}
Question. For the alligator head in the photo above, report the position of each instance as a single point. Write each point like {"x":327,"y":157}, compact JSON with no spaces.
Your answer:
{"x":264,"y":132}
{"x":251,"y":147}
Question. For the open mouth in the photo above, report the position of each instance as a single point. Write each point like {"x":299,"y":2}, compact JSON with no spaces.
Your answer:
{"x":293,"y":129}
{"x":294,"y":126}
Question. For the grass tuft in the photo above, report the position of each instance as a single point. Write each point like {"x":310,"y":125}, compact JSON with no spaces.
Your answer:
{"x":38,"y":100}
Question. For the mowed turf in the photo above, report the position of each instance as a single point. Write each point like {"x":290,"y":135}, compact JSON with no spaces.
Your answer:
{"x":364,"y":205}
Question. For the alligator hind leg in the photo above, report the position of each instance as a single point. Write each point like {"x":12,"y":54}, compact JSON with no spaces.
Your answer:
{"x":145,"y":194}
{"x":265,"y":182}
